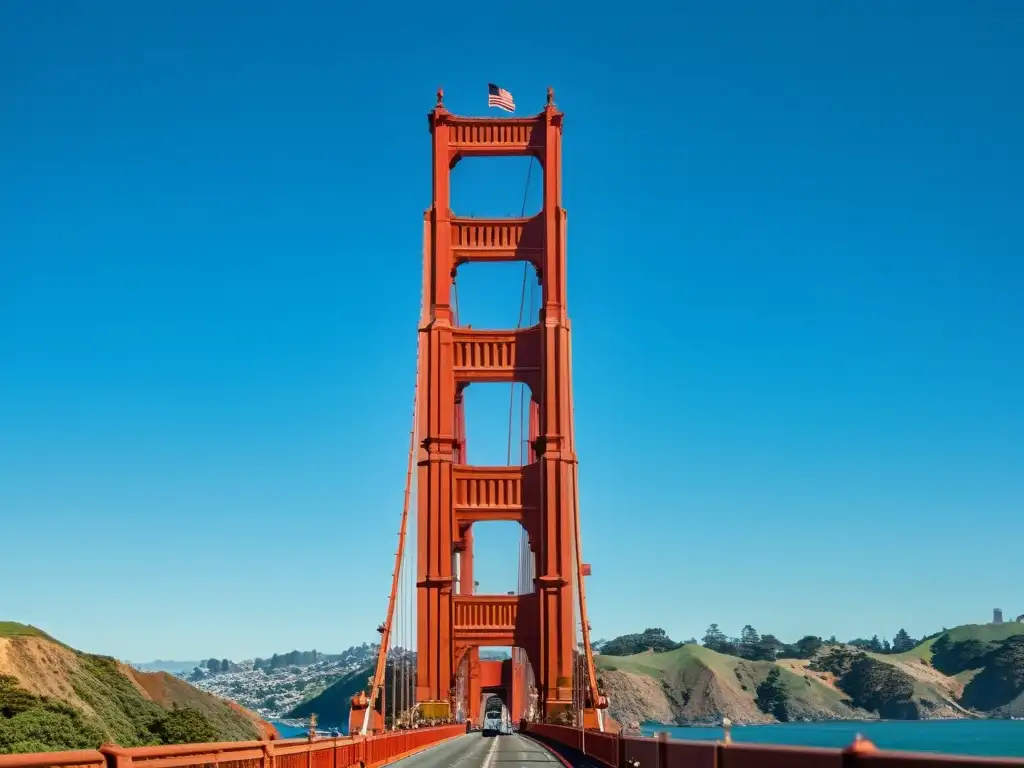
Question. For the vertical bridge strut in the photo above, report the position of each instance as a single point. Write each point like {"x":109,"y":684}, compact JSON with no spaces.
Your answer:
{"x":452,"y":621}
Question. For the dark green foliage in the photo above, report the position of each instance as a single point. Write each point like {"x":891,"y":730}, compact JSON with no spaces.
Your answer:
{"x":716,"y":640}
{"x":13,"y":700}
{"x":874,"y":645}
{"x":880,"y":687}
{"x":902,"y":642}
{"x":837,"y":661}
{"x":126,"y":715}
{"x":771,"y":696}
{"x":1002,"y":679}
{"x":757,"y":647}
{"x":806,"y":647}
{"x":332,"y":705}
{"x":871,"y":684}
{"x":183,"y":726}
{"x":649,"y":640}
{"x":951,"y":658}
{"x":30,"y":723}
{"x":748,"y":636}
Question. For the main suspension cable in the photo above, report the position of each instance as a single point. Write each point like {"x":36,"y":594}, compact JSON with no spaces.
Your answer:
{"x":581,"y":589}
{"x":382,"y":655}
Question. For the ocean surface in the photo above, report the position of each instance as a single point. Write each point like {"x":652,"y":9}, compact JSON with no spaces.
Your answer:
{"x":997,"y":738}
{"x":290,"y":731}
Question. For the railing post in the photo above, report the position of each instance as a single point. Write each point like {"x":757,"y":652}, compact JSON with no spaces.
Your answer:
{"x":116,"y":757}
{"x":860,"y":746}
{"x":268,"y":754}
{"x":663,"y":749}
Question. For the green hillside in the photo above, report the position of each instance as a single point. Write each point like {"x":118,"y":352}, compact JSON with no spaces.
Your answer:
{"x":53,"y":697}
{"x":982,"y":633}
{"x":967,"y":671}
{"x":14,"y":629}
{"x":332,"y":706}
{"x":702,"y":685}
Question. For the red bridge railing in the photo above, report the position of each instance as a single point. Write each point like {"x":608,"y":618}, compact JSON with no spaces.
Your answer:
{"x":343,"y":752}
{"x":618,"y":751}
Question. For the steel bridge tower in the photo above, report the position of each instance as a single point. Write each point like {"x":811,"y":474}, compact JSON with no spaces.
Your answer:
{"x":453,"y":623}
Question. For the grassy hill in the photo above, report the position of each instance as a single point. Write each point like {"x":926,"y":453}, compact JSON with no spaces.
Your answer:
{"x":332,"y":705}
{"x":984,"y":633}
{"x":692,"y":684}
{"x":987,"y":660}
{"x":968,"y":671}
{"x":53,"y":697}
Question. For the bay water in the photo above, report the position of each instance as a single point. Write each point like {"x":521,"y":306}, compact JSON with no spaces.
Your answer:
{"x":995,"y":738}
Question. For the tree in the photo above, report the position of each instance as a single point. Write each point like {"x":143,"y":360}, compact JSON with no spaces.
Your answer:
{"x":766,"y":648}
{"x":902,"y":642}
{"x":651,"y":639}
{"x":876,"y":685}
{"x":184,"y":726}
{"x":952,"y":658}
{"x":807,"y":646}
{"x":714,"y":638}
{"x":1002,"y":679}
{"x":749,"y":636}
{"x":771,"y":696}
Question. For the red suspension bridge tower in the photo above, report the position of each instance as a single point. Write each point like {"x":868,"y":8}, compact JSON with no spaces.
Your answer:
{"x":452,"y":622}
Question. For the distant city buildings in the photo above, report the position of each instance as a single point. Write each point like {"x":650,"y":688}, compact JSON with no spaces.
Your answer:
{"x":997,"y":615}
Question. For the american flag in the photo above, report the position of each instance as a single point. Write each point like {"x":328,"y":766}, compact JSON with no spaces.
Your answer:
{"x":500,"y":98}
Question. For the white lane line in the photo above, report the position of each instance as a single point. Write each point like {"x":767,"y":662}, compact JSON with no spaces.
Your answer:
{"x":490,"y":753}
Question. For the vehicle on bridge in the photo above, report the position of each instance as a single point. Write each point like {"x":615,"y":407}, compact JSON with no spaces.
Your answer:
{"x":496,"y":726}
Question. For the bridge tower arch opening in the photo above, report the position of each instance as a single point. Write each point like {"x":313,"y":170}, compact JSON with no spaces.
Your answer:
{"x":452,"y":494}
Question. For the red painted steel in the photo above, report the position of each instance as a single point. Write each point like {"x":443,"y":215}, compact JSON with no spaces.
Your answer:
{"x":79,"y":758}
{"x":369,"y":752}
{"x":617,"y":751}
{"x":452,"y":495}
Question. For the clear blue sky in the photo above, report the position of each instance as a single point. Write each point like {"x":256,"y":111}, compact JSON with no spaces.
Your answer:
{"x":796,"y":275}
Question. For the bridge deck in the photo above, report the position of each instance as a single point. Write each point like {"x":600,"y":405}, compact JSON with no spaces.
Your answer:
{"x":473,"y":750}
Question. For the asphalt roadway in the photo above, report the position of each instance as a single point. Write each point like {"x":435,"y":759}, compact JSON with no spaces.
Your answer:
{"x":473,"y":750}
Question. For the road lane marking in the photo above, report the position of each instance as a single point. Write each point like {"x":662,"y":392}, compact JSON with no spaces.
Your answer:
{"x":490,"y":753}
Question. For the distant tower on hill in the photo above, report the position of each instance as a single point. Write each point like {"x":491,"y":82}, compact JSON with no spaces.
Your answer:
{"x":997,"y":615}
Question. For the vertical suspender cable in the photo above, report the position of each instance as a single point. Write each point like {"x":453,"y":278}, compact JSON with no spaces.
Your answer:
{"x":522,"y":306}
